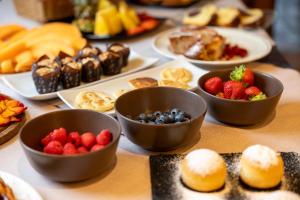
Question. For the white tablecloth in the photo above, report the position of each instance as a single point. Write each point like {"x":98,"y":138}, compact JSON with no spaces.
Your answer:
{"x":130,"y":178}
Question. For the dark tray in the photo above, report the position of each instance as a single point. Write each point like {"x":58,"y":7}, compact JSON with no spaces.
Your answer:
{"x":162,"y":6}
{"x":121,"y":36}
{"x":166,"y":182}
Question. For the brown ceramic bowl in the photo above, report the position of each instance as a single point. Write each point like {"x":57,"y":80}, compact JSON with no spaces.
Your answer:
{"x":71,"y":168}
{"x":160,"y":137}
{"x":240,"y":112}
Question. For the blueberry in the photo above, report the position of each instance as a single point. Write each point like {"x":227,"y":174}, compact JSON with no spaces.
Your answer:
{"x":179,"y":117}
{"x":159,"y":121}
{"x":142,"y":116}
{"x":174,"y":111}
{"x":162,"y":118}
{"x":151,"y":117}
{"x":171,"y":118}
{"x":157,"y":113}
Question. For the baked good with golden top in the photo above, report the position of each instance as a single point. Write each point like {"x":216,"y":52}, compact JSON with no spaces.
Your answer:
{"x":143,"y":82}
{"x":261,"y":167}
{"x":203,"y":170}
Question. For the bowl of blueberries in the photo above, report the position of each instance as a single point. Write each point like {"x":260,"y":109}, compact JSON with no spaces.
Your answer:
{"x":160,"y":118}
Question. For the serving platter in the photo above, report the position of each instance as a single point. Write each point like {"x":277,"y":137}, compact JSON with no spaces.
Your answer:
{"x":257,"y":47}
{"x":23,"y":83}
{"x":109,"y":87}
{"x":21,"y":189}
{"x":167,"y":184}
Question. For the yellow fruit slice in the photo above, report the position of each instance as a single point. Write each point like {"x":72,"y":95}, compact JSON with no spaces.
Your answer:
{"x":101,"y":27}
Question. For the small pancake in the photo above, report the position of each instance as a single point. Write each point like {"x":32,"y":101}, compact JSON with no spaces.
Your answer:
{"x":176,"y":84}
{"x":176,"y":74}
{"x":97,"y":101}
{"x":143,"y":82}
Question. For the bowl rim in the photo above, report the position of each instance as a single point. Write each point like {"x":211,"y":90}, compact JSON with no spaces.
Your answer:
{"x":163,"y":125}
{"x":75,"y":155}
{"x":240,"y":100}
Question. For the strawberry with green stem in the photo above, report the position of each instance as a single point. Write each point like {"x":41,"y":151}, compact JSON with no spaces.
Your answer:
{"x":242,"y":74}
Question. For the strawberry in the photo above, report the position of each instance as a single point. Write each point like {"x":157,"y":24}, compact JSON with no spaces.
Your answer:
{"x":149,"y":24}
{"x":242,"y":74}
{"x":260,"y":96}
{"x":220,"y":94}
{"x":104,"y":137}
{"x":252,"y":91}
{"x":59,"y":135}
{"x":213,"y":85}
{"x":136,"y":31}
{"x":69,"y":149}
{"x":88,"y":140}
{"x":54,"y":147}
{"x":234,"y":90}
{"x":46,"y":139}
{"x":82,"y":149}
{"x":74,"y":138}
{"x":97,"y":147}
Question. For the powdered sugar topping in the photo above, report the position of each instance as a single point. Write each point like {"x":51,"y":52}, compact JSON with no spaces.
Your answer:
{"x":262,"y":156}
{"x":204,"y":161}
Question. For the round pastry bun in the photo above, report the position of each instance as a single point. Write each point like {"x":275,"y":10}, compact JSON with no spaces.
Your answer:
{"x":261,"y":167}
{"x":203,"y":170}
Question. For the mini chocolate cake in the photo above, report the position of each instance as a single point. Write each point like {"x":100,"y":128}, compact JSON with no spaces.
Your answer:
{"x":88,"y":51}
{"x":111,"y":63}
{"x":91,"y":69}
{"x":121,"y":49}
{"x":46,"y":75}
{"x":70,"y":71}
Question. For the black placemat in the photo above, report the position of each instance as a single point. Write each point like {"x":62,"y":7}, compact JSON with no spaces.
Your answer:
{"x":166,"y":183}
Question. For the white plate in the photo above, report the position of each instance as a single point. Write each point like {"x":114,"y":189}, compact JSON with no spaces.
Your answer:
{"x":23,"y":84}
{"x":21,"y":189}
{"x":109,"y":87}
{"x":257,"y":47}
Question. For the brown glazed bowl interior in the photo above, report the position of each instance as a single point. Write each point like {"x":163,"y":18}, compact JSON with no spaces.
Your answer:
{"x":241,"y":112}
{"x":159,"y":137}
{"x":71,"y":168}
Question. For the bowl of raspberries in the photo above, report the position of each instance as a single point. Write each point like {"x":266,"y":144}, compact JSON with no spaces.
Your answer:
{"x":240,"y":96}
{"x":71,"y":145}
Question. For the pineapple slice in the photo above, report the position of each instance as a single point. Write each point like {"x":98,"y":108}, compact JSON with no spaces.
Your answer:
{"x":112,"y":18}
{"x":103,"y":4}
{"x":101,"y":26}
{"x":129,"y":18}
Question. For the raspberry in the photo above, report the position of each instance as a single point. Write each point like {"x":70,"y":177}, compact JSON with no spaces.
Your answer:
{"x":70,"y":149}
{"x":97,"y":147}
{"x":54,"y":147}
{"x":88,"y":140}
{"x":59,"y":135}
{"x":74,"y":138}
{"x":104,"y":137}
{"x":82,"y":150}
{"x":45,"y":140}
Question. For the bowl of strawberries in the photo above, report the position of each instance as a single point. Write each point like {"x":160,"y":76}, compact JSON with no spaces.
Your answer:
{"x":71,"y":145}
{"x":241,"y":96}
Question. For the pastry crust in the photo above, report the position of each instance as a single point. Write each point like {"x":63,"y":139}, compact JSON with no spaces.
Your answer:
{"x":5,"y":191}
{"x":97,"y":101}
{"x":203,"y":170}
{"x":176,"y":84}
{"x":143,"y":82}
{"x":261,"y":167}
{"x":176,"y":74}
